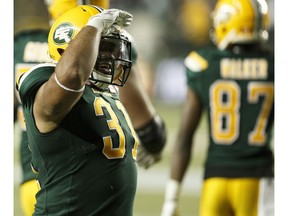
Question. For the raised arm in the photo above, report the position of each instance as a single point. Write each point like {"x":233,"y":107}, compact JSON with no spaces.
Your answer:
{"x":56,"y":97}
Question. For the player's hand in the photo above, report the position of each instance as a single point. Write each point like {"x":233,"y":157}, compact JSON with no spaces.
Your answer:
{"x":104,"y":20}
{"x":170,"y":208}
{"x":146,"y":159}
{"x":124,"y":18}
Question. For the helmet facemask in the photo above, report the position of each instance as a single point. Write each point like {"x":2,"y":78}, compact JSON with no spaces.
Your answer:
{"x":113,"y":63}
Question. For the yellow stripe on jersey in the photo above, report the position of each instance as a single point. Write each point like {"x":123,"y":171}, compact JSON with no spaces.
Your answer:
{"x":22,"y":68}
{"x":195,"y":62}
{"x":22,"y":77}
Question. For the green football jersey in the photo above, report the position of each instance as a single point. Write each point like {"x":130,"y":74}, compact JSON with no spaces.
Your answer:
{"x":237,"y":90}
{"x":87,"y":165}
{"x":29,"y":49}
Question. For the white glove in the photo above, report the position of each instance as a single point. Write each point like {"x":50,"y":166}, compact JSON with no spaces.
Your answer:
{"x":104,"y":20}
{"x":124,"y":18}
{"x":170,"y":205}
{"x":146,"y":159}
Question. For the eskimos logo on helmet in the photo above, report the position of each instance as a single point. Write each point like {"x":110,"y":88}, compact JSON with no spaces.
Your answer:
{"x":63,"y":33}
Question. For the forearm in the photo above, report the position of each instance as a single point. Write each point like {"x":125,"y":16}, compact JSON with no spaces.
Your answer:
{"x":179,"y":163}
{"x":136,"y":100}
{"x":190,"y":118}
{"x":68,"y":81}
{"x":77,"y":62}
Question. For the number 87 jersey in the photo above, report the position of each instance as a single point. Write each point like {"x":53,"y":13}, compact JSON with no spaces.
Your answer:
{"x":237,"y":91}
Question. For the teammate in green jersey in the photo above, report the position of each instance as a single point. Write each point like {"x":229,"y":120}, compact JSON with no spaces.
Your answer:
{"x":32,"y":24}
{"x":234,"y":83}
{"x":30,"y":47}
{"x":82,"y":141}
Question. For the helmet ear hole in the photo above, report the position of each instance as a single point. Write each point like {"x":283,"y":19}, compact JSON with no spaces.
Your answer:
{"x":60,"y":51}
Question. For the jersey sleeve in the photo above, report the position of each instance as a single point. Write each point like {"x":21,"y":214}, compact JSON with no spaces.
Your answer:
{"x":29,"y":82}
{"x":195,"y":66}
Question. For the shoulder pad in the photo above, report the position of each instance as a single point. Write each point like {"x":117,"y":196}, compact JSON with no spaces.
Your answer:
{"x":195,"y":62}
{"x":25,"y":74}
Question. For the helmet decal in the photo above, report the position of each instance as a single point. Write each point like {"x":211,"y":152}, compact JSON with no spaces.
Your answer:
{"x":63,"y":33}
{"x":66,"y":27}
{"x":239,"y":21}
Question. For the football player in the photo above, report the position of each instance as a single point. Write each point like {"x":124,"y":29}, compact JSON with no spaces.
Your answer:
{"x":82,"y":141}
{"x":234,"y":82}
{"x":149,"y":126}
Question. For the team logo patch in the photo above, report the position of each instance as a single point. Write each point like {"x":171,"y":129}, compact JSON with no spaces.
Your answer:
{"x":63,"y":33}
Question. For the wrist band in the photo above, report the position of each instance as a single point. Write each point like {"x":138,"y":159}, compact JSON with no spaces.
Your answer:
{"x":172,"y":190}
{"x":96,"y":22}
{"x":66,"y":88}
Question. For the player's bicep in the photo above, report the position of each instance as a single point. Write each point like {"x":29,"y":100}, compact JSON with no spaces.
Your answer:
{"x":52,"y":103}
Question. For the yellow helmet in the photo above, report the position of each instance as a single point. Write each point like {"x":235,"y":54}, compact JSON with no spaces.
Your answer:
{"x":113,"y":63}
{"x":67,"y":26}
{"x":239,"y":21}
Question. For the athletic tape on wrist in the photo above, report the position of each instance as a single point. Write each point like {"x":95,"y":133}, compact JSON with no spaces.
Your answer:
{"x":96,"y":22}
{"x":172,"y":190}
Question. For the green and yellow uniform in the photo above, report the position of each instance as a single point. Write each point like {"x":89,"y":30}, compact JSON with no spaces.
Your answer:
{"x":32,"y":44}
{"x":31,"y":27}
{"x":30,"y":48}
{"x":236,"y":87}
{"x":90,"y":156}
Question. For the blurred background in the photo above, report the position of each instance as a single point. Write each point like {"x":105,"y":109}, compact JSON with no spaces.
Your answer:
{"x":164,"y":32}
